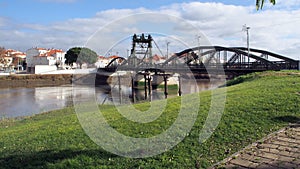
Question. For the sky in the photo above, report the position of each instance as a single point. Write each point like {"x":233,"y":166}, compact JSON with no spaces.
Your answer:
{"x":106,"y":25}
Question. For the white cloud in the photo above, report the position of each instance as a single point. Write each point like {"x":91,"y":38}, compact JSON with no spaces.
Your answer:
{"x":273,"y":28}
{"x":2,"y":22}
{"x":287,"y":4}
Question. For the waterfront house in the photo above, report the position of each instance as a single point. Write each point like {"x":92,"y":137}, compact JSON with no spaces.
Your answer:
{"x":44,"y":59}
{"x":158,"y":59}
{"x":12,"y":59}
{"x":17,"y":59}
{"x":102,"y":61}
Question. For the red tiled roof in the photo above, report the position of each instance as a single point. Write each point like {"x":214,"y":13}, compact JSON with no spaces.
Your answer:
{"x":41,"y":48}
{"x":156,"y":57}
{"x":103,"y":57}
{"x":10,"y":50}
{"x":113,"y":56}
{"x":50,"y":52}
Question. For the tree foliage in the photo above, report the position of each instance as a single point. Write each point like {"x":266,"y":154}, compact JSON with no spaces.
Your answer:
{"x":80,"y":55}
{"x":3,"y":61}
{"x":260,"y":3}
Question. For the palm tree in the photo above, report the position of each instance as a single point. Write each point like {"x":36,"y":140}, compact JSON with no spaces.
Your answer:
{"x":260,"y":3}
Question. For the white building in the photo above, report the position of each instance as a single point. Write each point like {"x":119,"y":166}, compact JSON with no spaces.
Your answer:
{"x":158,"y":59}
{"x":48,"y":58}
{"x":102,"y":61}
{"x":12,"y":59}
{"x":15,"y":53}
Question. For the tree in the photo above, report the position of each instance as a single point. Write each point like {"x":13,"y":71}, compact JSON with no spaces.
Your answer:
{"x":3,"y":61}
{"x":260,"y":3}
{"x":80,"y":55}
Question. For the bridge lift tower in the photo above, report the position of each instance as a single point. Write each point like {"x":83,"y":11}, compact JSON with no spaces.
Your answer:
{"x":141,"y":51}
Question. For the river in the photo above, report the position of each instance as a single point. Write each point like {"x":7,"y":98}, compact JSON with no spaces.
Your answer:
{"x":18,"y":102}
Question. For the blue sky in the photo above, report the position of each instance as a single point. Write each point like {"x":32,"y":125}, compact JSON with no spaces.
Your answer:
{"x":67,"y":23}
{"x":45,"y":11}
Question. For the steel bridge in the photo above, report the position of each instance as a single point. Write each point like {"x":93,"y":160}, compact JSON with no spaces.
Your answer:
{"x":201,"y":61}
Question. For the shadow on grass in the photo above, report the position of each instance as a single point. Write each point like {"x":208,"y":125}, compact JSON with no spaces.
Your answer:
{"x":287,"y":118}
{"x":41,"y":159}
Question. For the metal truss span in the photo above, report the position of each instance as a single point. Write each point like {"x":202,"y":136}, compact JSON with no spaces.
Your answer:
{"x":234,"y":61}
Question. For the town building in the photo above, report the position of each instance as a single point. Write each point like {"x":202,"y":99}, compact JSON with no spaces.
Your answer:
{"x":44,"y":59}
{"x":12,"y":59}
{"x":158,"y":59}
{"x":102,"y":62}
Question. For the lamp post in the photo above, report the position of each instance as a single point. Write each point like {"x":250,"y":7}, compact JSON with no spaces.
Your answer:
{"x":168,"y":49}
{"x":198,"y":39}
{"x":246,"y":29}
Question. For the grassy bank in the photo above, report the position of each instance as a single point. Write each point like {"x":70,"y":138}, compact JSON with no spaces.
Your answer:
{"x":256,"y":105}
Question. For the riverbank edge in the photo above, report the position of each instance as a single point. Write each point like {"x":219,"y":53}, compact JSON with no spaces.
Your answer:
{"x":50,"y":80}
{"x":34,"y":80}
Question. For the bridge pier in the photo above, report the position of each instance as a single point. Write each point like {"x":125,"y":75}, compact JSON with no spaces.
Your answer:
{"x":166,"y":86}
{"x":149,"y":87}
{"x":133,"y":88}
{"x":179,"y":86}
{"x":145,"y":86}
{"x":120,"y":89}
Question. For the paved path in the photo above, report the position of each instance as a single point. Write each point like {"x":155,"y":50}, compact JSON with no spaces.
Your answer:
{"x":278,"y":150}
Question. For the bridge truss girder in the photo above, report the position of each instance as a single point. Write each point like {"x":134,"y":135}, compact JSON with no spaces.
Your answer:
{"x":232,"y":60}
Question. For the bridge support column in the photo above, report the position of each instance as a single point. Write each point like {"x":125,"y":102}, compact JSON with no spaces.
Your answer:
{"x":145,"y":86}
{"x":166,"y":86}
{"x":133,"y":89}
{"x":120,"y":89}
{"x":149,"y":87}
{"x":179,"y":86}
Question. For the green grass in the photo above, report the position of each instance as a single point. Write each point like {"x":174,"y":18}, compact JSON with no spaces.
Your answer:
{"x":257,"y":105}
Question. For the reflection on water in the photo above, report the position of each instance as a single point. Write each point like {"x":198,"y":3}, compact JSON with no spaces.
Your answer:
{"x":28,"y":101}
{"x":16,"y":102}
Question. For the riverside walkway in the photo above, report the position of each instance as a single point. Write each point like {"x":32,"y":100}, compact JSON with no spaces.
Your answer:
{"x":278,"y":150}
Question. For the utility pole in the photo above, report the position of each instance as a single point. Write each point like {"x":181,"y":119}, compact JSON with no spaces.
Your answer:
{"x":198,"y":39}
{"x":246,"y":29}
{"x":168,"y":49}
{"x":199,"y":53}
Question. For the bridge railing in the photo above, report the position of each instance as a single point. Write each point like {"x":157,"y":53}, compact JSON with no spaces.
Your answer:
{"x":275,"y":65}
{"x":286,"y":65}
{"x":238,"y":66}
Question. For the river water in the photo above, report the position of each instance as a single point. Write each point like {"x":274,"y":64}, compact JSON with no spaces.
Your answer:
{"x":18,"y":102}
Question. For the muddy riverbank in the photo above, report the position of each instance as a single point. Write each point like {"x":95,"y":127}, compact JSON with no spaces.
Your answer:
{"x":49,"y":80}
{"x":32,"y":80}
